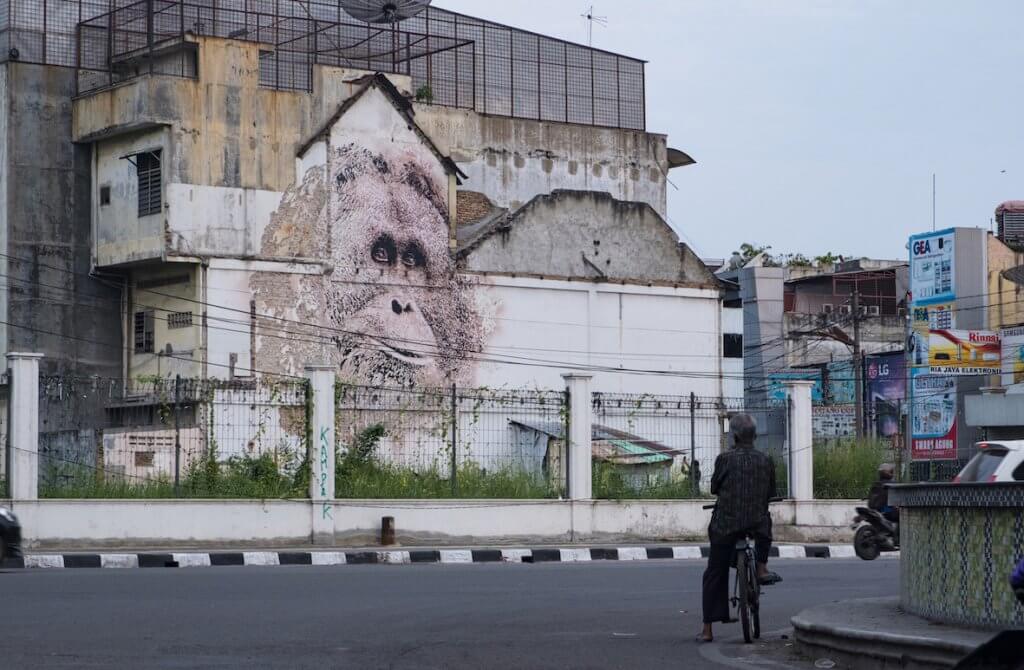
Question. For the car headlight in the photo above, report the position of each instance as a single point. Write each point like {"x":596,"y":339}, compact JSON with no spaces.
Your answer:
{"x":8,"y":515}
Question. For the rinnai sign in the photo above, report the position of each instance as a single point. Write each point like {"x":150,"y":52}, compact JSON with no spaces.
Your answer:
{"x":932,"y":270}
{"x":962,"y":352}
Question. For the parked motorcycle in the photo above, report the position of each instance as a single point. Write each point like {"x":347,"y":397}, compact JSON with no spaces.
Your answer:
{"x":874,"y":534}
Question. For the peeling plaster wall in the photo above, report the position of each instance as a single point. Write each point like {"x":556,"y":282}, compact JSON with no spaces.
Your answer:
{"x":590,"y":236}
{"x":513,"y":160}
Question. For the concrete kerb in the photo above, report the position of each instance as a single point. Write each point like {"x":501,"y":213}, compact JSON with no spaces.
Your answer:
{"x":875,"y":633}
{"x":397,"y":556}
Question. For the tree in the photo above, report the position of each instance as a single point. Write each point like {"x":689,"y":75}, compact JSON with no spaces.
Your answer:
{"x":748,"y":251}
{"x":827,"y":258}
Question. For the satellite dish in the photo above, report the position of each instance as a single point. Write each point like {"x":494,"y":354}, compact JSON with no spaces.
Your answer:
{"x":383,"y":11}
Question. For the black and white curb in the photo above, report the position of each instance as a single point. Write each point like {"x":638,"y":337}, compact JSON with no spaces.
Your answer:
{"x":407,"y":556}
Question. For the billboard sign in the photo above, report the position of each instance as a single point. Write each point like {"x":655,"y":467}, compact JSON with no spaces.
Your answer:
{"x":934,"y":417}
{"x":932,"y":271}
{"x":887,"y":389}
{"x":960,"y":352}
{"x":1013,"y":355}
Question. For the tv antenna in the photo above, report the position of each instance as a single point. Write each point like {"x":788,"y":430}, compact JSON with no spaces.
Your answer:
{"x":591,"y":20}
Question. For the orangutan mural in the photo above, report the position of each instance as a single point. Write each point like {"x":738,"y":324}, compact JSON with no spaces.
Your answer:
{"x":389,"y":310}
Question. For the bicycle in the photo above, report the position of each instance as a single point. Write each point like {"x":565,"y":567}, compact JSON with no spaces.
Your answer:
{"x":746,"y":597}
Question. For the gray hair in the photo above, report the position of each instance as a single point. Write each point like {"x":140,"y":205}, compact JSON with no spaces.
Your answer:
{"x":743,"y":428}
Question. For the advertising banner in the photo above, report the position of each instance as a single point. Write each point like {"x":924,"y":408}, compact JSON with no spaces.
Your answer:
{"x":931,"y":267}
{"x":934,"y":417}
{"x":887,"y":391}
{"x":959,"y":352}
{"x":832,"y":421}
{"x":1013,"y":355}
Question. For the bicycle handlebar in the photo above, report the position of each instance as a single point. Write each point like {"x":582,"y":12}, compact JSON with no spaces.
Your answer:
{"x":713,"y":505}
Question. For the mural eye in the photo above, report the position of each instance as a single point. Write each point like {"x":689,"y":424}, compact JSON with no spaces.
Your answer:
{"x":413,"y":257}
{"x":383,"y":250}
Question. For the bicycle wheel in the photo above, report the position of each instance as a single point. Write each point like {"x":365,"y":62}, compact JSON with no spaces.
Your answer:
{"x":743,"y":594}
{"x":754,"y":597}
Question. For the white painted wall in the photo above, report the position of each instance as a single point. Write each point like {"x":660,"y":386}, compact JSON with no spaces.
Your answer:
{"x":177,"y":523}
{"x":600,"y":324}
{"x":216,"y":220}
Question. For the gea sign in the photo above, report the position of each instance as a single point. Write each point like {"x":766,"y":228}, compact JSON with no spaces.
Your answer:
{"x":922,"y":247}
{"x":931,"y":267}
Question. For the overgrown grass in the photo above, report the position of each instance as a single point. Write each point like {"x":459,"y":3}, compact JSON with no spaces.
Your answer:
{"x":608,"y":482}
{"x":244,"y":477}
{"x":378,"y":480}
{"x":847,"y":469}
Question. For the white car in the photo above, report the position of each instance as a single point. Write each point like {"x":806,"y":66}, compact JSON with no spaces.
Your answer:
{"x":995,"y":462}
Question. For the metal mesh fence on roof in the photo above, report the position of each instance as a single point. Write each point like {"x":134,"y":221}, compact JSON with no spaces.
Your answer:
{"x":453,"y":60}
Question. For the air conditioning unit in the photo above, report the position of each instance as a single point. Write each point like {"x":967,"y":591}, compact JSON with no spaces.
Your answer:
{"x":845,"y":309}
{"x":873,"y":310}
{"x":827,"y":308}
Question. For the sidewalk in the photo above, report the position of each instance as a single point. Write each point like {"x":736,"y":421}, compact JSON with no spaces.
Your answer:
{"x":174,"y":558}
{"x":875,"y":633}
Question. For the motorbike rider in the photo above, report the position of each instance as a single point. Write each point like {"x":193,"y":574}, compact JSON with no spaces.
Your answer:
{"x":878,"y":497}
{"x":1017,"y":581}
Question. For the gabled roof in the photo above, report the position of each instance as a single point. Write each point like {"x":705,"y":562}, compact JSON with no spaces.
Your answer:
{"x":402,"y":106}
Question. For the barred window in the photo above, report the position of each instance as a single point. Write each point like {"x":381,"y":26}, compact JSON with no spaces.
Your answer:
{"x":147,"y":164}
{"x":179,"y":320}
{"x":144,"y":334}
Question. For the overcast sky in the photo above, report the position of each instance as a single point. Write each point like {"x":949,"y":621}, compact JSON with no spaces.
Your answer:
{"x":817,"y":125}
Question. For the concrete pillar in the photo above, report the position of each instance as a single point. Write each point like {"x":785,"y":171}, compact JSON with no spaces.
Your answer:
{"x":321,"y":451}
{"x":801,"y":439}
{"x":23,"y":414}
{"x":578,"y":446}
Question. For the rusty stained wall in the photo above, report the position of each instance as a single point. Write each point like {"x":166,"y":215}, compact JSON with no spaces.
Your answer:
{"x":587,"y":235}
{"x":228,"y":151}
{"x":513,"y":160}
{"x":1005,"y":307}
{"x":54,"y":305}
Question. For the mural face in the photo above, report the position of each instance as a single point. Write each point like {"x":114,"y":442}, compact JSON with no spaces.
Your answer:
{"x":392,"y":307}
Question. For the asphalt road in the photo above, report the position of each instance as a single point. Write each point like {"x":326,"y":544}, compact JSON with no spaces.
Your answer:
{"x":597,"y":615}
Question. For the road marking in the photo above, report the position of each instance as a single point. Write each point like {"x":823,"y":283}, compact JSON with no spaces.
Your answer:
{"x":192,"y":560}
{"x":792,"y":551}
{"x":841,"y":551}
{"x":456,"y":556}
{"x":574,"y":555}
{"x":261,"y":558}
{"x":119,"y":560}
{"x":515,"y":555}
{"x":686,"y":552}
{"x":328,"y":557}
{"x":393,"y":557}
{"x":44,"y":561}
{"x":632,"y":554}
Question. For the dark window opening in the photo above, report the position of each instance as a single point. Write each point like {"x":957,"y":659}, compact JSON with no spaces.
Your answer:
{"x":147,"y":165}
{"x":104,"y":195}
{"x":732,"y":345}
{"x":144,"y":335}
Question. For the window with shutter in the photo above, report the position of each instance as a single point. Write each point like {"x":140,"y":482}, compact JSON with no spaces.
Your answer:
{"x":144,"y":335}
{"x":148,"y":166}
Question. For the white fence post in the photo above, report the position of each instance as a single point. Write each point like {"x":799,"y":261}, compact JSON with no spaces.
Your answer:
{"x":801,"y":440}
{"x":23,"y":415}
{"x":578,"y":447}
{"x":321,"y":451}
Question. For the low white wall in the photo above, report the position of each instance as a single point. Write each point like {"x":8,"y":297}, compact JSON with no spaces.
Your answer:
{"x":198,"y":523}
{"x":156,"y":523}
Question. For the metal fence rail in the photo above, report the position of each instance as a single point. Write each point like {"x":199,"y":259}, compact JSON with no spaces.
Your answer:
{"x":180,"y":436}
{"x":395,"y":442}
{"x":453,"y":59}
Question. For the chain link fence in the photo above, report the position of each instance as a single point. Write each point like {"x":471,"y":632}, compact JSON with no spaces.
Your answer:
{"x":169,"y":437}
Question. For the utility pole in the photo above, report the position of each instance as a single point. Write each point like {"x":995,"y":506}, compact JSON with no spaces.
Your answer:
{"x":858,"y":367}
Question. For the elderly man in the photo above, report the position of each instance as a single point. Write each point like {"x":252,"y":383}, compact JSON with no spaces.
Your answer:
{"x":744,"y":481}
